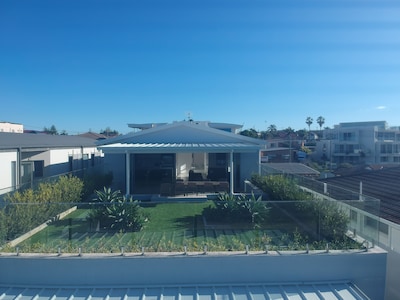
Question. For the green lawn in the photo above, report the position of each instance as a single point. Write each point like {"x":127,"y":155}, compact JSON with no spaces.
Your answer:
{"x":171,"y":227}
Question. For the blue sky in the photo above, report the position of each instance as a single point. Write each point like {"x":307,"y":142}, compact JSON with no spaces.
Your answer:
{"x":87,"y":65}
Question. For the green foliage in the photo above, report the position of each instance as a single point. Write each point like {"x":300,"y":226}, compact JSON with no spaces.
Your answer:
{"x":250,"y":133}
{"x":52,"y":130}
{"x":115,"y":211}
{"x":279,"y":187}
{"x":3,"y":226}
{"x":238,"y":208}
{"x":29,"y":208}
{"x":331,"y":222}
{"x":173,"y":226}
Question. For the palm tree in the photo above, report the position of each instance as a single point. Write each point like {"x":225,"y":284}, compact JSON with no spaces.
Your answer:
{"x":320,"y":121}
{"x":271,"y":130}
{"x":309,"y":121}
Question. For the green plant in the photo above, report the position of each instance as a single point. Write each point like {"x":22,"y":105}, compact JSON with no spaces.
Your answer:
{"x":238,"y":208}
{"x":116,"y":212}
{"x":279,"y":187}
{"x":28,"y":208}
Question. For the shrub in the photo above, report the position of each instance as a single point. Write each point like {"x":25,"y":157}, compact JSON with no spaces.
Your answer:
{"x":279,"y":187}
{"x":233,"y":208}
{"x":117,"y":212}
{"x":29,"y":208}
{"x":331,"y":222}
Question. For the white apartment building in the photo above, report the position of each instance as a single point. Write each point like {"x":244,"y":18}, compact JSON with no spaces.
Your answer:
{"x":360,"y":142}
{"x":11,"y":127}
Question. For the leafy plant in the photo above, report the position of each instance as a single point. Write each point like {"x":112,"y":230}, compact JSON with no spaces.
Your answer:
{"x":29,"y":208}
{"x":117,"y":212}
{"x":331,"y":222}
{"x":240,"y":208}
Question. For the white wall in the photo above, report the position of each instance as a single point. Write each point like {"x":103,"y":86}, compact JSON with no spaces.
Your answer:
{"x":366,"y":270}
{"x":6,"y":179}
{"x":61,"y":155}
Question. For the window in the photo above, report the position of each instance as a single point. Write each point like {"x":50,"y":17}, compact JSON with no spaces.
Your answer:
{"x":384,"y":159}
{"x":38,"y":166}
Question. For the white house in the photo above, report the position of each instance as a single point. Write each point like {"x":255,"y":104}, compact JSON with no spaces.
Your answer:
{"x":26,"y":157}
{"x":11,"y":127}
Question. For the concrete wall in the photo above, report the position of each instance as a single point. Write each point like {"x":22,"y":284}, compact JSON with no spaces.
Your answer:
{"x":366,"y":269}
{"x":249,"y":163}
{"x":392,"y":276}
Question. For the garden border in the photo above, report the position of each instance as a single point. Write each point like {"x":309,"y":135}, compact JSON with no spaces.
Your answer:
{"x":35,"y":230}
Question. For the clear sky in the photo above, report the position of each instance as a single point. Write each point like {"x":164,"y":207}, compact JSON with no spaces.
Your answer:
{"x":90,"y":64}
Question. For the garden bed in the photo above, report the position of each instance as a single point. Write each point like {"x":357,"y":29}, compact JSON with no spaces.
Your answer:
{"x":172,"y":227}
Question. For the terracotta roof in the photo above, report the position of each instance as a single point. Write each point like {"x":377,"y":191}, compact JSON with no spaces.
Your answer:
{"x":93,"y":135}
{"x":383,"y":184}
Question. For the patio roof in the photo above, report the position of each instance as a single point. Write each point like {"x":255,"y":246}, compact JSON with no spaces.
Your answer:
{"x":181,"y":137}
{"x":308,"y":291}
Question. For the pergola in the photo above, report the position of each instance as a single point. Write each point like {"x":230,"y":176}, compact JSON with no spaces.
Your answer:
{"x":178,"y":138}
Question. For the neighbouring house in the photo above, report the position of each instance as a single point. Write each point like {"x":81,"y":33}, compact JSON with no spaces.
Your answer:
{"x":182,"y":157}
{"x":11,"y":127}
{"x":93,"y":135}
{"x":27,"y":157}
{"x":381,"y":183}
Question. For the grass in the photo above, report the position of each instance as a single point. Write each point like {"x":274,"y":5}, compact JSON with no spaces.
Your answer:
{"x":171,"y":227}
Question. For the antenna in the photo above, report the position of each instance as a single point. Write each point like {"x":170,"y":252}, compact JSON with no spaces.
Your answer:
{"x":189,"y":116}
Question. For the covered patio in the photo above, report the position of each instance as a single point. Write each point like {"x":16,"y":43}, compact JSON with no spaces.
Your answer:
{"x":182,"y":158}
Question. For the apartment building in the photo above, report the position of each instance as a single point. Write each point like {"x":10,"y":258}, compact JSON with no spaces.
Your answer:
{"x":360,"y":143}
{"x":11,"y":127}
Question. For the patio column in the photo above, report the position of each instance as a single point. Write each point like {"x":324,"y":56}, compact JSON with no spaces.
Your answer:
{"x":231,"y":173}
{"x":127,"y":173}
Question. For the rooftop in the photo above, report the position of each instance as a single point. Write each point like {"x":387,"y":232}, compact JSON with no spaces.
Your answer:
{"x":383,"y":184}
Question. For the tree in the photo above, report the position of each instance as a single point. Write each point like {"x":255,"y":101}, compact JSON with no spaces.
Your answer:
{"x":309,"y":121}
{"x":108,"y":132}
{"x":250,"y":133}
{"x":272,"y":130}
{"x":52,"y":130}
{"x":301,"y":133}
{"x":320,"y":121}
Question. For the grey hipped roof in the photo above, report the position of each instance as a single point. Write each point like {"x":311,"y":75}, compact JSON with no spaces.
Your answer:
{"x":37,"y":141}
{"x":181,"y":137}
